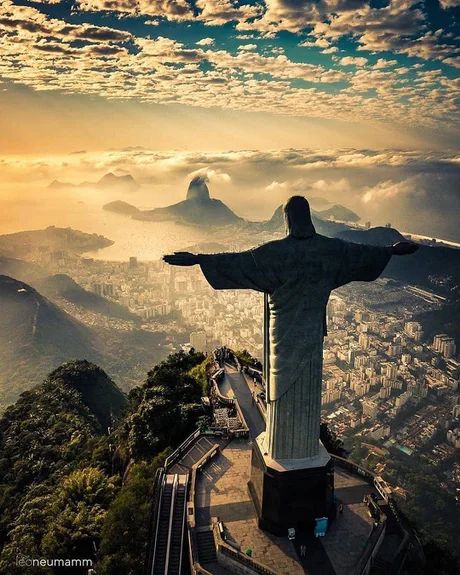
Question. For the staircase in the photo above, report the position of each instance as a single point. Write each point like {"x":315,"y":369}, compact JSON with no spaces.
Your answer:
{"x":206,"y":547}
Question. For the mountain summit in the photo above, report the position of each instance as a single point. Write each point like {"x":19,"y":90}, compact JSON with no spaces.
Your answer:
{"x":197,"y":209}
{"x":198,"y":189}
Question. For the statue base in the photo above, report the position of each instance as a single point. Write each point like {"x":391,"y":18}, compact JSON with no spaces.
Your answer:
{"x":291,"y":492}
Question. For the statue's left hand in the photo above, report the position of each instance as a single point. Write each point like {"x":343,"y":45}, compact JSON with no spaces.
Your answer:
{"x":181,"y":259}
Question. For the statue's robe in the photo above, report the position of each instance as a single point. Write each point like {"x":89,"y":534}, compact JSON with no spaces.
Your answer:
{"x":298,"y":275}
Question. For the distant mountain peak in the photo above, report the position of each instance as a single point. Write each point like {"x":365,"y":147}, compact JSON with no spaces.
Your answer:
{"x":58,"y":185}
{"x":111,"y":177}
{"x":110,"y":180}
{"x":198,"y":189}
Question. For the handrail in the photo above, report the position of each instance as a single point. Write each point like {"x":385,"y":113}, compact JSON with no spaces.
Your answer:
{"x":372,"y":543}
{"x":353,"y":466}
{"x":194,"y":561}
{"x":234,"y":402}
{"x":171,"y":459}
{"x":184,"y":513}
{"x":154,"y":518}
{"x":171,"y":516}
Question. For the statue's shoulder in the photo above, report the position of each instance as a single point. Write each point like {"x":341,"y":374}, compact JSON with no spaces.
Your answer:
{"x":271,"y":245}
{"x":331,"y":243}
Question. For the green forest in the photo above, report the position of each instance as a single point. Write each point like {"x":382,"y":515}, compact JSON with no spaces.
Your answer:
{"x":78,"y":460}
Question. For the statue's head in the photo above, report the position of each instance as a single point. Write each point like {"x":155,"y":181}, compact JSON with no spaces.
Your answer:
{"x":298,"y":217}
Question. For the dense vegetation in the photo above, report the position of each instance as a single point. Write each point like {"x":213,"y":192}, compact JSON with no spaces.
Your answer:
{"x":246,"y":359}
{"x":78,"y":459}
{"x":443,"y":320}
{"x":431,"y":510}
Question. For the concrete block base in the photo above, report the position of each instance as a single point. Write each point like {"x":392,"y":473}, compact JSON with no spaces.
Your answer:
{"x":287,"y":496}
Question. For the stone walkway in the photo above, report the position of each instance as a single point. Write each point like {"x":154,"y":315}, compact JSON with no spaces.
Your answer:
{"x":221,"y":492}
{"x":348,"y":534}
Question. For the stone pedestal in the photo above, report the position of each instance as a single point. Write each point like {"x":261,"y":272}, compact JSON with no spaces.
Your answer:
{"x":291,"y":493}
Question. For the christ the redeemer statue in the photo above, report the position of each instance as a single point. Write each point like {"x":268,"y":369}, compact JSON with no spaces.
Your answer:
{"x":298,"y":273}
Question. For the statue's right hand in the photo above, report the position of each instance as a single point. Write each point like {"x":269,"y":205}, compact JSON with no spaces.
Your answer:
{"x":181,"y":259}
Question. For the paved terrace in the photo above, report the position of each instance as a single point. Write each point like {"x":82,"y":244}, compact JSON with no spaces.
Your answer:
{"x":221,"y":492}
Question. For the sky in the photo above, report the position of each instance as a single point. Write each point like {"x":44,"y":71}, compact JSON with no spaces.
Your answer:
{"x":273,"y":78}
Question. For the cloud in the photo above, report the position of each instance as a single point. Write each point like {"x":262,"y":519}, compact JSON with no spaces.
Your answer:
{"x":399,"y":26}
{"x":446,"y":4}
{"x":213,"y":176}
{"x":247,"y":47}
{"x":382,"y":63}
{"x":329,"y":188}
{"x":205,"y":42}
{"x":319,"y":42}
{"x":386,"y":190}
{"x":352,"y":61}
{"x":218,"y":12}
{"x":174,"y":10}
{"x":332,"y":186}
{"x":453,"y":61}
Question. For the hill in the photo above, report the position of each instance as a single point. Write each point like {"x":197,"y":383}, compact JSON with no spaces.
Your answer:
{"x":70,"y":485}
{"x":96,"y":390}
{"x":444,"y":320}
{"x":197,"y":209}
{"x":436,"y":268}
{"x":35,"y":336}
{"x":21,"y":244}
{"x":59,"y":473}
{"x":339,"y":212}
{"x":120,"y":207}
{"x":62,"y":285}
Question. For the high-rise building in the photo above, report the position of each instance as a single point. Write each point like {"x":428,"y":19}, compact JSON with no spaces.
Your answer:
{"x":444,"y":345}
{"x":394,"y":349}
{"x":406,"y":358}
{"x":370,"y":408}
{"x":414,"y":330}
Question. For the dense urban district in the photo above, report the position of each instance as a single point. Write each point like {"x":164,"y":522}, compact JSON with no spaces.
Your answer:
{"x":390,"y":384}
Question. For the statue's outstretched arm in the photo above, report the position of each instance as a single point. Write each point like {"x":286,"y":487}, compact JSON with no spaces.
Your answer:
{"x":181,"y":259}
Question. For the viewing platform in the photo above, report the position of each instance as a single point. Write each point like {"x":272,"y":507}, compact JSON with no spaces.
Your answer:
{"x":221,"y":533}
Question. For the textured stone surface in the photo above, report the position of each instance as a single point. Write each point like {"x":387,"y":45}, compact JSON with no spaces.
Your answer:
{"x":222,"y":492}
